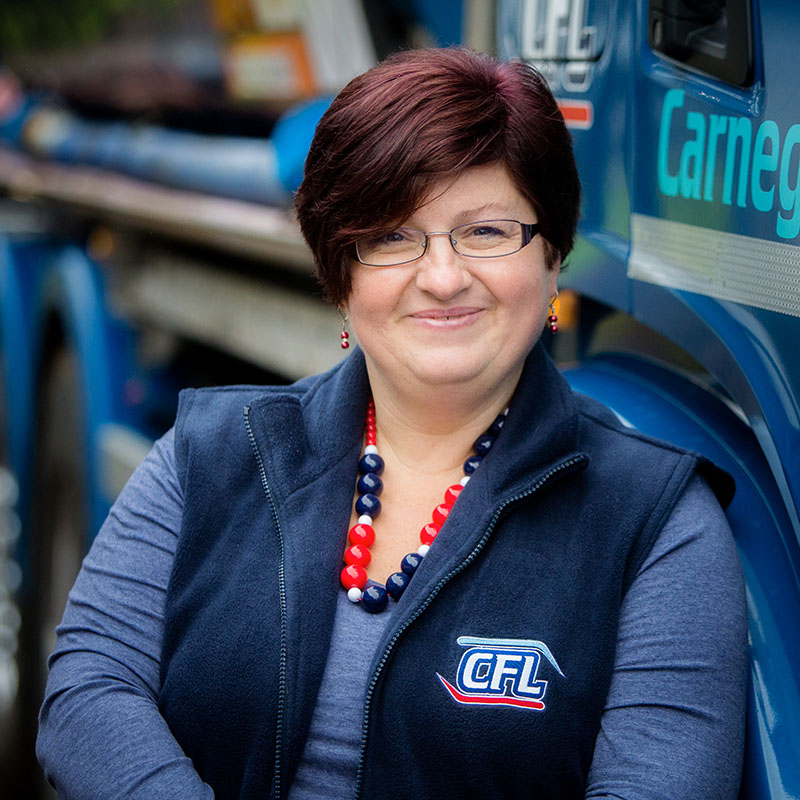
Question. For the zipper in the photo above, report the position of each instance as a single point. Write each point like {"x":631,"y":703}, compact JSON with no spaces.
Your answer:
{"x":281,"y":714}
{"x":564,"y":465}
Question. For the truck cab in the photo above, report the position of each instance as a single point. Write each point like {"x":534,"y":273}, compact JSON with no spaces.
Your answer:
{"x":686,"y":125}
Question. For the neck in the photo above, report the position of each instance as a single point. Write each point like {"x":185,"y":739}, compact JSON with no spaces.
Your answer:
{"x":433,"y":429}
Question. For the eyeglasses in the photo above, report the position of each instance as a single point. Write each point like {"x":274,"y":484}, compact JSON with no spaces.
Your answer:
{"x":487,"y":238}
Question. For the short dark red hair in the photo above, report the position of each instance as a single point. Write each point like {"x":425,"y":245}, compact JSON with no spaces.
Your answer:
{"x":417,"y":117}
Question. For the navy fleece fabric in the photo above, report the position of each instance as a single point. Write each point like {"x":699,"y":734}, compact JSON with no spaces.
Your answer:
{"x":102,"y":735}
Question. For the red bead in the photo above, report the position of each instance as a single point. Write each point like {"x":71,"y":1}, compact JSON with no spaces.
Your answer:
{"x":357,"y":554}
{"x":552,"y":318}
{"x":440,"y":513}
{"x":554,"y":328}
{"x":362,"y":534}
{"x":353,"y":575}
{"x":345,"y":344}
{"x":428,"y":533}
{"x":452,"y":493}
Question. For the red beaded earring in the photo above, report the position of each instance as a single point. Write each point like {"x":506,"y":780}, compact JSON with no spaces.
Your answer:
{"x":552,"y":320}
{"x":345,"y":336}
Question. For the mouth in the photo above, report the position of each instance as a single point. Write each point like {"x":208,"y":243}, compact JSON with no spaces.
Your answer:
{"x":447,"y":317}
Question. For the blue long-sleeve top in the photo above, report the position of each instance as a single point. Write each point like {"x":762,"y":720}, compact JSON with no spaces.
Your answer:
{"x":673,"y":721}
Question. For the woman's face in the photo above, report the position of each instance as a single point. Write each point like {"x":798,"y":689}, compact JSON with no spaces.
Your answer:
{"x":447,"y":319}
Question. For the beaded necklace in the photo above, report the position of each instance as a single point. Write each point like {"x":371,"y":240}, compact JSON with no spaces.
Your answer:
{"x":374,"y":598}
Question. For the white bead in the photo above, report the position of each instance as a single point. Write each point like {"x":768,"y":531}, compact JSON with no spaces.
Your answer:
{"x":423,"y":549}
{"x":465,"y":480}
{"x":354,"y":594}
{"x":365,"y":519}
{"x":505,"y":413}
{"x":371,"y":449}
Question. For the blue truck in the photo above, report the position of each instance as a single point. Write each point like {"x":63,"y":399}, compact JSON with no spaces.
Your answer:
{"x":137,"y":258}
{"x":686,"y":123}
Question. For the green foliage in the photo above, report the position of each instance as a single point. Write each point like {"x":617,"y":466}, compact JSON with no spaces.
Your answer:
{"x":46,"y":25}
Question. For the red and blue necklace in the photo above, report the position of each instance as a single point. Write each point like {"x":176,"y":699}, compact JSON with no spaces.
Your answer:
{"x":374,"y":597}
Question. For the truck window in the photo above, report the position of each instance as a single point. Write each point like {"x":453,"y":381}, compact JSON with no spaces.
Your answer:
{"x":713,"y":36}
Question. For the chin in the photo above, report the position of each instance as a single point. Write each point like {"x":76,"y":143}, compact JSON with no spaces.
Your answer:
{"x":460,"y":369}
{"x":459,"y":366}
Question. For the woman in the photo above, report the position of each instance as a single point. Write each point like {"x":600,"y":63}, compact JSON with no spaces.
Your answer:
{"x":551,"y":632}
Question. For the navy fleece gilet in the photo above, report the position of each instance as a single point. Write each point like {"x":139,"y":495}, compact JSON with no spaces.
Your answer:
{"x":540,"y":548}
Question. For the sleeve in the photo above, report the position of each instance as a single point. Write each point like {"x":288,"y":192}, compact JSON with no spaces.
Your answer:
{"x":100,"y":731}
{"x":673,"y":724}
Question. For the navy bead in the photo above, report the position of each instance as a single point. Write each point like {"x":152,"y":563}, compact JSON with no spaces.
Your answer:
{"x":370,"y":484}
{"x":483,"y":444}
{"x":374,"y":599}
{"x":371,"y":462}
{"x":497,"y":425}
{"x":396,"y":584}
{"x":410,"y":563}
{"x":471,"y":464}
{"x":368,"y":504}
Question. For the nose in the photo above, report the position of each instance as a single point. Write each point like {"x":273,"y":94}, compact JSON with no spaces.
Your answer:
{"x":441,"y":271}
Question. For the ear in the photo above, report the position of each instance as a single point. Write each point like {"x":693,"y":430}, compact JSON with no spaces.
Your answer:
{"x":552,"y":279}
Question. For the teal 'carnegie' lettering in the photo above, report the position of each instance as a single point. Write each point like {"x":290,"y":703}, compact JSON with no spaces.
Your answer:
{"x":667,"y":184}
{"x":789,"y":195}
{"x":692,"y":156}
{"x":739,"y":129}
{"x":717,"y":126}
{"x":754,"y":162}
{"x":764,"y":199}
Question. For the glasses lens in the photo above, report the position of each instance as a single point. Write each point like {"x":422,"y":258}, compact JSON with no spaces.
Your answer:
{"x":488,"y":238}
{"x":394,"y":247}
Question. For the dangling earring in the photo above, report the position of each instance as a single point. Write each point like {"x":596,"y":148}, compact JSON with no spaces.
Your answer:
{"x":345,"y":336}
{"x":552,"y":320}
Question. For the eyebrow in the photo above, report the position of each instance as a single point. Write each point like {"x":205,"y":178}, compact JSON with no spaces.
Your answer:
{"x":471,"y":214}
{"x":477,"y":214}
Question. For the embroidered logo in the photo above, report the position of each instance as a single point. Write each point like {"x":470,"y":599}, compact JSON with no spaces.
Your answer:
{"x":501,"y":672}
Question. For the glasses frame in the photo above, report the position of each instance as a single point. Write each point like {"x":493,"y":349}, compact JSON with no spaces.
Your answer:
{"x":529,"y":231}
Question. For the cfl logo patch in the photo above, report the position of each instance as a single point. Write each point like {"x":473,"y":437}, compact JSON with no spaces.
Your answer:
{"x":501,"y":672}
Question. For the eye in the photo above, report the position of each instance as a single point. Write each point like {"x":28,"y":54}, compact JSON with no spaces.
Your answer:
{"x":393,"y":238}
{"x":483,"y":230}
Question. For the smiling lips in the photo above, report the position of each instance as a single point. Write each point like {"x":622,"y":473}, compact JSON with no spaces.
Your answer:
{"x":450,"y":317}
